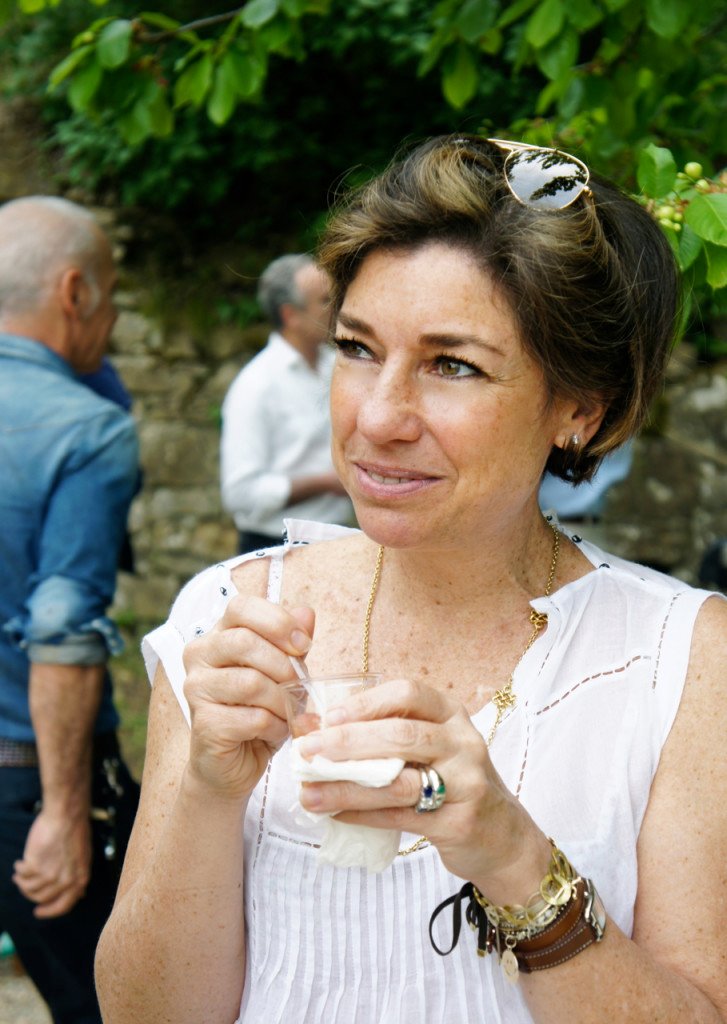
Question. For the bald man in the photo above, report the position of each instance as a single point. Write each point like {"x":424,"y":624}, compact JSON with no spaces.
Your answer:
{"x":68,"y":466}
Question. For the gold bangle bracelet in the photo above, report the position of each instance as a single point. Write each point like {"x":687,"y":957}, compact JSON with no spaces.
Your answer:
{"x":543,"y":907}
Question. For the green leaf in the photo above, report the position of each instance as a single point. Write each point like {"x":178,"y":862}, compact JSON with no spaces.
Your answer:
{"x":114,"y":43}
{"x":99,"y":3}
{"x":276,"y":35}
{"x":667,"y":18}
{"x":560,"y":56}
{"x":135,"y":125}
{"x":194,"y":83}
{"x":656,"y":171}
{"x":246,"y":70}
{"x":84,"y":86}
{"x":573,"y":98}
{"x":716,"y":265}
{"x":161,"y":118}
{"x":584,"y":14}
{"x":545,"y":23}
{"x":548,"y":96}
{"x":68,"y":65}
{"x":690,"y":245}
{"x":615,"y":5}
{"x":513,"y":12}
{"x":223,"y":98}
{"x":706,"y":215}
{"x":475,"y":18}
{"x":433,"y":52}
{"x":159,"y":21}
{"x":459,"y":76}
{"x":491,"y":42}
{"x":32,"y":6}
{"x":258,"y":12}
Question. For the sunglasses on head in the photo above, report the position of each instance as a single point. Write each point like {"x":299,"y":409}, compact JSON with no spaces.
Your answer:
{"x":538,"y":177}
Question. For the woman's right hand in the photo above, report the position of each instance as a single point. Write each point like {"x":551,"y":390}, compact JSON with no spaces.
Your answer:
{"x":237,"y":707}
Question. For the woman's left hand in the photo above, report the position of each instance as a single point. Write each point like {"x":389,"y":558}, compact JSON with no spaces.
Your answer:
{"x":482,"y":832}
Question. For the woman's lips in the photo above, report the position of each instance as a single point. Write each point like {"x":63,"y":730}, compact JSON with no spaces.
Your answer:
{"x":381,"y":481}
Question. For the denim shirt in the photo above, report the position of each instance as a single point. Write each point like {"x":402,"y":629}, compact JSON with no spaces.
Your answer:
{"x":68,"y":471}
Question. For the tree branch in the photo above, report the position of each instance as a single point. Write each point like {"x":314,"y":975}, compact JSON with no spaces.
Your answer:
{"x":193,"y":26}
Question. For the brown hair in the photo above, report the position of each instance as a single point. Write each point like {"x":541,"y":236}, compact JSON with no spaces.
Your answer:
{"x":595,"y":296}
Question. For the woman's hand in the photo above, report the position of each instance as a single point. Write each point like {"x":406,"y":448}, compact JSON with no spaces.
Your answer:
{"x":237,"y":707}
{"x":482,"y":832}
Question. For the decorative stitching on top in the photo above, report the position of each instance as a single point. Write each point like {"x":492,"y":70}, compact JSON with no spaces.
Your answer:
{"x":661,"y":640}
{"x":526,"y":703}
{"x":590,"y":679}
{"x":521,"y":778}
{"x":295,"y":842}
{"x":263,"y":806}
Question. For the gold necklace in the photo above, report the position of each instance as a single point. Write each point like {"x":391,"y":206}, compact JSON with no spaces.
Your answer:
{"x":503,"y":698}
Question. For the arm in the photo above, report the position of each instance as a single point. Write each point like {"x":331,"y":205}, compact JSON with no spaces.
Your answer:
{"x":56,"y":862}
{"x":180,"y":901}
{"x":180,"y":897}
{"x":66,"y":623}
{"x":673,"y":970}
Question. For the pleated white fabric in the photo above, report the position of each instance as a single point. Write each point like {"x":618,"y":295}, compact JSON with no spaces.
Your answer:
{"x":597,"y":695}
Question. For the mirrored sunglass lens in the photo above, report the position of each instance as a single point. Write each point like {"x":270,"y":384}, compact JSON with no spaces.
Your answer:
{"x":545,"y":179}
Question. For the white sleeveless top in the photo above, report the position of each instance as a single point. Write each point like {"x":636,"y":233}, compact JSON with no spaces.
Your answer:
{"x":597,"y":695}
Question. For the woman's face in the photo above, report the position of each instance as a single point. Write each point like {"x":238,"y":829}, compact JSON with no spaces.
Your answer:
{"x":441,"y":424}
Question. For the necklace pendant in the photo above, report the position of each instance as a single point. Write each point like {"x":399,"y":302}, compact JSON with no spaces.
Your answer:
{"x":504,"y":698}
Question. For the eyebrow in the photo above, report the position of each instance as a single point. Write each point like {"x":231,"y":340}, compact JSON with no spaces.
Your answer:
{"x":438,"y":340}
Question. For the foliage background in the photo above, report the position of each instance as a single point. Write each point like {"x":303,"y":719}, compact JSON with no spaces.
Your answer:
{"x":240,"y":129}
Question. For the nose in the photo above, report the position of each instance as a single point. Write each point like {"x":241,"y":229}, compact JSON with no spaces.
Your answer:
{"x":391,"y":409}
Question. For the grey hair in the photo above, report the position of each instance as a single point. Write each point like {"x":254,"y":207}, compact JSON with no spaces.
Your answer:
{"x":40,"y":236}
{"x":277,"y":286}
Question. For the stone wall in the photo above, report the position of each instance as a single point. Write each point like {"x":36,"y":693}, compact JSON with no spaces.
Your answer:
{"x":674,"y":502}
{"x":177,"y":523}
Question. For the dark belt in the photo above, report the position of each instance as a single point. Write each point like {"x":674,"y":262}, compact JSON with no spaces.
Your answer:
{"x":19,"y":754}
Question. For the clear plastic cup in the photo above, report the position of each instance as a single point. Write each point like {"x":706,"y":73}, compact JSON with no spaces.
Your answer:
{"x":308,"y":700}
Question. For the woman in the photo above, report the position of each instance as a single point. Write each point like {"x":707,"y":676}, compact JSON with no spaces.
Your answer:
{"x":496,"y":313}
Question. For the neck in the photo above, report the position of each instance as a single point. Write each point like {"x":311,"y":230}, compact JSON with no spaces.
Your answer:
{"x":310,"y":354}
{"x":513,"y":562}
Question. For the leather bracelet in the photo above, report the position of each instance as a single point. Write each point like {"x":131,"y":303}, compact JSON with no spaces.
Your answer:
{"x":581,"y":922}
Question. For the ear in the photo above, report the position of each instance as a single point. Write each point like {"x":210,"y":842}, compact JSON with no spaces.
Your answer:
{"x":72,"y":293}
{"x":580,"y":420}
{"x":288,"y":314}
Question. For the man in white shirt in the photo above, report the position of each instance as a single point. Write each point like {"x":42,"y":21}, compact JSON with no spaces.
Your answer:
{"x":275,"y":451}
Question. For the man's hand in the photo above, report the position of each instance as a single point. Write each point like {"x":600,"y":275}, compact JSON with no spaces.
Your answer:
{"x":56,"y":864}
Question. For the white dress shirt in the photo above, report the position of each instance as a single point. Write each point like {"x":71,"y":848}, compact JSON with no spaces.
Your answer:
{"x":276,"y":427}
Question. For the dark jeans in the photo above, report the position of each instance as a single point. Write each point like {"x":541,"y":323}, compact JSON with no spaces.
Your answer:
{"x":250,"y":541}
{"x":58,"y":952}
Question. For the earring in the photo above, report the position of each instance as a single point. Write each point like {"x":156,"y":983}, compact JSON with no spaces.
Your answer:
{"x":574,"y":442}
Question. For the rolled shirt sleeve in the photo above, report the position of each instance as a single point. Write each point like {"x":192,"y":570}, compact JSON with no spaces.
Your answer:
{"x":65,"y":619}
